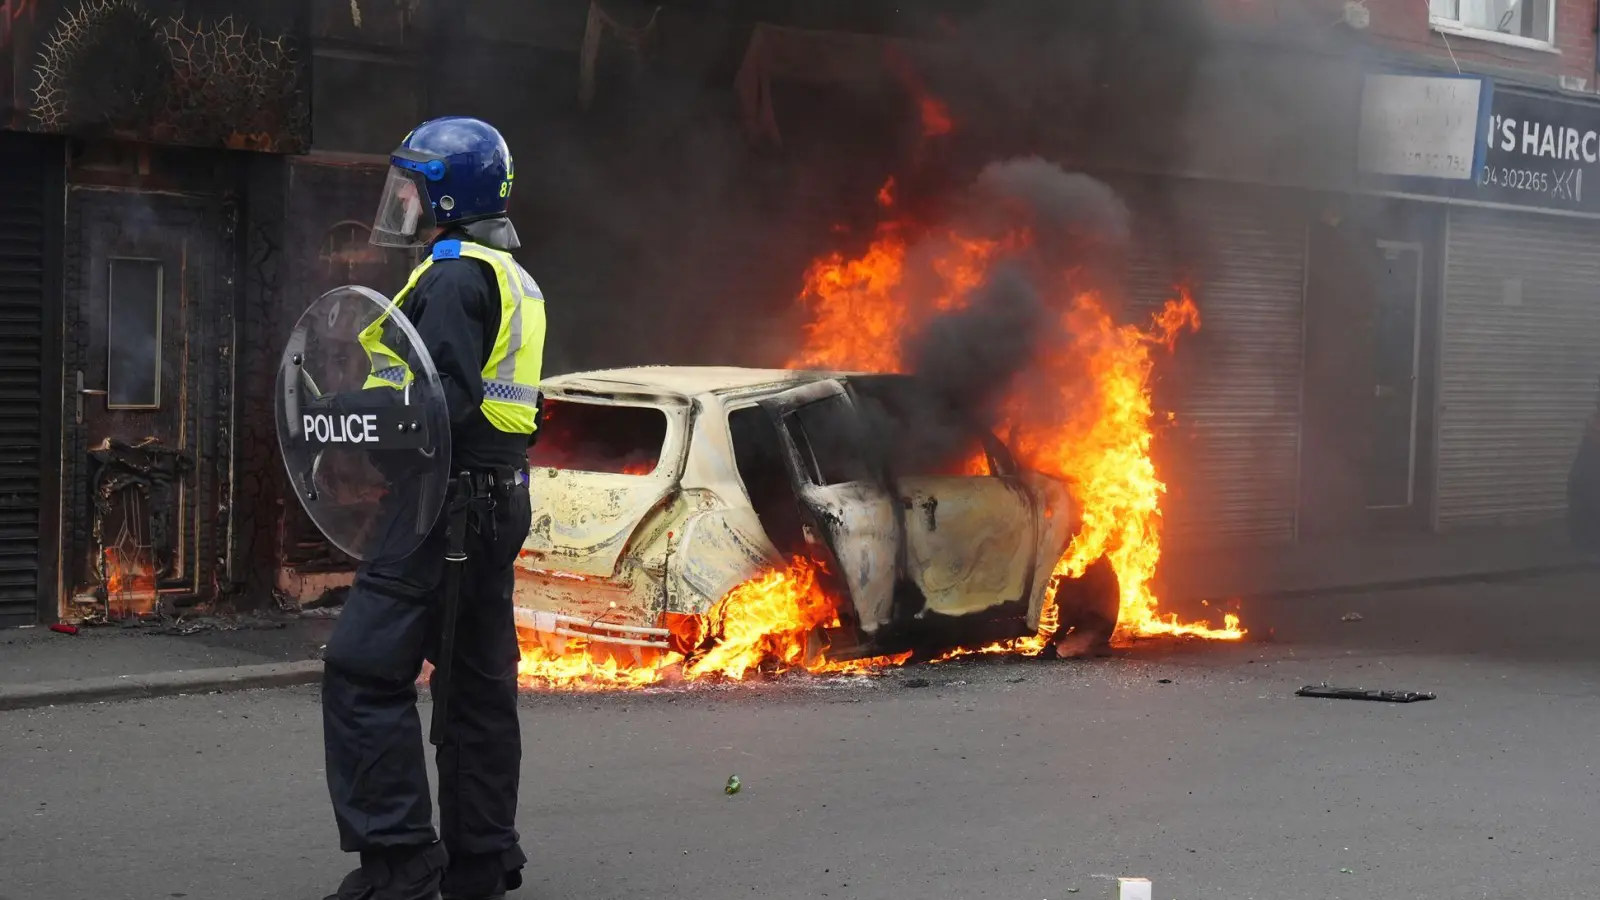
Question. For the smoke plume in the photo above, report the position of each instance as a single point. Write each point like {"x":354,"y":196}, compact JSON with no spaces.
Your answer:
{"x":982,"y":349}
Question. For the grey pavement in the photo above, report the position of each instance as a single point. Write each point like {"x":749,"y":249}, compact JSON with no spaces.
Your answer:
{"x":1387,"y":560}
{"x":34,"y":655}
{"x":1194,"y":765}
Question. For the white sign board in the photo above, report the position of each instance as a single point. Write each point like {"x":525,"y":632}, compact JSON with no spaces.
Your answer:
{"x":1419,"y":125}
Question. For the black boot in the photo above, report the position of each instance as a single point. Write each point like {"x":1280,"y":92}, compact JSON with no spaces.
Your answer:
{"x":484,"y":877}
{"x":409,"y":873}
{"x":494,"y":891}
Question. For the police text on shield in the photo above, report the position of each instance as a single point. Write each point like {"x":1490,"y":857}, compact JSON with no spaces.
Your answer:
{"x":352,"y":429}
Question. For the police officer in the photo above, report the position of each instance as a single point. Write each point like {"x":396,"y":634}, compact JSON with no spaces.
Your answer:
{"x":481,"y":318}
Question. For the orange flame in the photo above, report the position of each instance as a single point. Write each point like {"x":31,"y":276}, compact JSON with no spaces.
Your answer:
{"x":1097,"y":438}
{"x":764,"y":625}
{"x":935,"y":114}
{"x":1094,"y":432}
{"x":130,"y":584}
{"x":886,"y":193}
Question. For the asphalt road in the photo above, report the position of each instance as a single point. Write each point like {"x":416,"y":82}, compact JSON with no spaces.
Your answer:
{"x":1194,"y":766}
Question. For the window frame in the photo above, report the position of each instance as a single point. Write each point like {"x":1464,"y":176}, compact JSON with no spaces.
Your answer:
{"x":799,"y":436}
{"x":160,"y":322}
{"x":1457,"y":26}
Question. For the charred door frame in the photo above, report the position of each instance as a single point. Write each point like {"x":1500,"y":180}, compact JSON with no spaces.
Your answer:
{"x":1372,"y":220}
{"x":778,"y":408}
{"x":209,"y":381}
{"x":51,"y":421}
{"x":1414,"y":436}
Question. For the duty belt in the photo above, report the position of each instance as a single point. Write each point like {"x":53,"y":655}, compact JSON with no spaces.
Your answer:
{"x":486,"y":482}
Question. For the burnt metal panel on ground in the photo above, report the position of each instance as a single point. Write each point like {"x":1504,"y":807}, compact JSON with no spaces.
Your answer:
{"x":1518,"y":369}
{"x":1231,"y":460}
{"x":30,"y":181}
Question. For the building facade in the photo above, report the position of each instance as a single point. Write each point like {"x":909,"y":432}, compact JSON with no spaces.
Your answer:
{"x":1435,"y":365}
{"x":1379,"y":351}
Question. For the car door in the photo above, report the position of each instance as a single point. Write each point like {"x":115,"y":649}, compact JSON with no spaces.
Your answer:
{"x":845,"y":507}
{"x":969,"y":534}
{"x":968,"y":518}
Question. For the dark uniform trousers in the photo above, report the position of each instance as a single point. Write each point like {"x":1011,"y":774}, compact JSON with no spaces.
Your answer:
{"x":377,"y":774}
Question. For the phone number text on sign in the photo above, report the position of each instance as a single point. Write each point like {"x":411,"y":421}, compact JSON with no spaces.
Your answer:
{"x":1563,"y":184}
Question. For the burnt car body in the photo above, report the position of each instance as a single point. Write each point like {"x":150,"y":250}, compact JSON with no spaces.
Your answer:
{"x":657,"y":490}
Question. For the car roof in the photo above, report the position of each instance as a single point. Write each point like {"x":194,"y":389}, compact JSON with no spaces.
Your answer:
{"x":686,"y":381}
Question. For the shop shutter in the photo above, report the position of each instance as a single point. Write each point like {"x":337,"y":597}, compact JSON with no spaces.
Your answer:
{"x":1519,"y":363}
{"x":24,"y":222}
{"x":1231,"y":459}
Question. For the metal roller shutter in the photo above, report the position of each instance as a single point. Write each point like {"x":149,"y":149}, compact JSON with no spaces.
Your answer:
{"x":1232,"y":468}
{"x":23,"y":226}
{"x":1521,"y":352}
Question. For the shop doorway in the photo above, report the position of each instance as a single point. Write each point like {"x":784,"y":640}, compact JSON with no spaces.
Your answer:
{"x":140,"y":290}
{"x":1396,"y":359}
{"x":1372,"y":288}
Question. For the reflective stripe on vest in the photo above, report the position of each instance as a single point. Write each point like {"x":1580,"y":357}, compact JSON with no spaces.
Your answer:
{"x":511,"y":372}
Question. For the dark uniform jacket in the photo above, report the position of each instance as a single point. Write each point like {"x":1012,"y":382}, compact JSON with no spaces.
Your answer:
{"x":456,"y":309}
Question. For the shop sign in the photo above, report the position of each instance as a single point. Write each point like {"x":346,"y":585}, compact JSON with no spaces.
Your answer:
{"x":1541,"y":151}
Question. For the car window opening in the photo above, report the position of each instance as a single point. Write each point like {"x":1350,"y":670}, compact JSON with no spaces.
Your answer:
{"x":923,"y":438}
{"x":604,"y":438}
{"x":758,"y":455}
{"x":829,"y":442}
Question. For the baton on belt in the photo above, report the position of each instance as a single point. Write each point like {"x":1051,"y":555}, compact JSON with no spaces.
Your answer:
{"x":455,"y":559}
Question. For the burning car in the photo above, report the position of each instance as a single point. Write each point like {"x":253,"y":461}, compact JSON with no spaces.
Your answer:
{"x":657,"y":491}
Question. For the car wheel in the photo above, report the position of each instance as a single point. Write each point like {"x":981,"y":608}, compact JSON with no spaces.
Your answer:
{"x":1088,"y":606}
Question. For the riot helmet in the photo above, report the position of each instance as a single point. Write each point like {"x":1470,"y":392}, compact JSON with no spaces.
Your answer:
{"x":451,"y":170}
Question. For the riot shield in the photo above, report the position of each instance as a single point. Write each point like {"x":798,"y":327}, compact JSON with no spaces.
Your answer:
{"x":363,"y":425}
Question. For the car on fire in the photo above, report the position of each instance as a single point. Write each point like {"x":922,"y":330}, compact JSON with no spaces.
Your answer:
{"x":657,"y":490}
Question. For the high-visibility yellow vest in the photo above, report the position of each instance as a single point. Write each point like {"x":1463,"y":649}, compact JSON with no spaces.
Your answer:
{"x":511,"y":373}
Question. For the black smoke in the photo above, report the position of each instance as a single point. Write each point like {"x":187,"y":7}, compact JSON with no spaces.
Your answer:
{"x":662,"y":232}
{"x":969,"y":360}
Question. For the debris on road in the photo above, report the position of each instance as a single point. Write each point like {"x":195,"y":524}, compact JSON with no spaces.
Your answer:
{"x":64,"y":629}
{"x":916,"y":682}
{"x":1350,"y":617}
{"x":1133,"y":888}
{"x":733,"y":785}
{"x":1325,"y":691}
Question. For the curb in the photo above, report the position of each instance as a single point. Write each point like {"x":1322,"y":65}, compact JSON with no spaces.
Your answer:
{"x":160,"y":684}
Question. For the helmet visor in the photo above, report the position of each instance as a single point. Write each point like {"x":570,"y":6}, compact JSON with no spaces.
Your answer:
{"x":405,"y":217}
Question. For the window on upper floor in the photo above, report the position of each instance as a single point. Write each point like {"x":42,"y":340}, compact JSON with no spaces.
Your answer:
{"x":1512,"y":21}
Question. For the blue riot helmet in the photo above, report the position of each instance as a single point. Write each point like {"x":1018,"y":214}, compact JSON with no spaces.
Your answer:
{"x":447,"y":171}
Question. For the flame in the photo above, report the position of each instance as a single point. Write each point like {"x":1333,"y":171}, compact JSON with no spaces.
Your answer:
{"x":1094,"y":433}
{"x":764,"y":621}
{"x":934,"y":113}
{"x":886,"y":193}
{"x":130,"y":584}
{"x":126,"y":574}
{"x":1098,"y":438}
{"x":763,"y":626}
{"x":1103,"y":446}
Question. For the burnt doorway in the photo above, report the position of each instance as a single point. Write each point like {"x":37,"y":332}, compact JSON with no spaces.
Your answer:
{"x":144,"y":280}
{"x":1372,"y":288}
